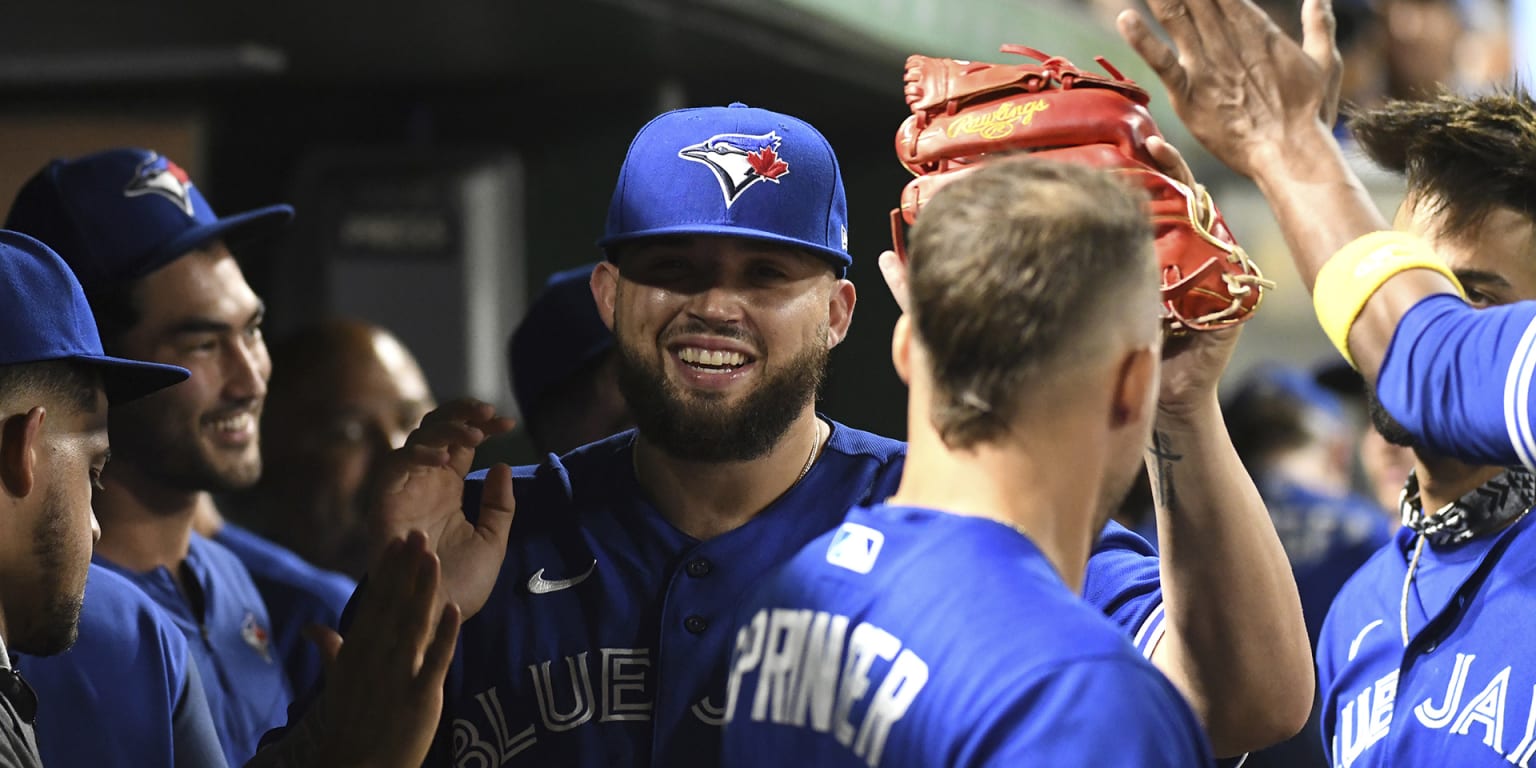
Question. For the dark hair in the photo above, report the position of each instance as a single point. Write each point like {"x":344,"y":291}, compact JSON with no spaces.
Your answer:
{"x":1465,"y":155}
{"x":1262,"y":427}
{"x":1008,"y":268}
{"x":73,"y":383}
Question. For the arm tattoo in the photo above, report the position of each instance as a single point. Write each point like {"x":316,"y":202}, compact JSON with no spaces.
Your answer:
{"x":1161,"y":449}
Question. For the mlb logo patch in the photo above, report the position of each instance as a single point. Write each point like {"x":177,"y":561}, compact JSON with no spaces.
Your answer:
{"x":855,"y":547}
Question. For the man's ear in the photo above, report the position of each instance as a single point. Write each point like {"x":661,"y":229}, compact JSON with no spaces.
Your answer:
{"x":1135,"y":388}
{"x":605,"y":290}
{"x":901,"y":349}
{"x":20,"y":439}
{"x":840,"y":312}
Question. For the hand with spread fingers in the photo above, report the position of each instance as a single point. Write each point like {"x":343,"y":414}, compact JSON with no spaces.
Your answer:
{"x":421,"y":489}
{"x":384,"y":692}
{"x":1244,"y":89}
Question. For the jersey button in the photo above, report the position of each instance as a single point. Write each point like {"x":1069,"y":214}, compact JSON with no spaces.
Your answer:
{"x":699,"y":568}
{"x":695,"y":624}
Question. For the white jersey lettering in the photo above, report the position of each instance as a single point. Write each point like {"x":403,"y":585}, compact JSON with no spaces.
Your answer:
{"x":867,"y":643}
{"x":1440,"y":716}
{"x":781,"y":662}
{"x":1487,"y":709}
{"x":817,"y":691}
{"x":581,"y":694}
{"x":907,"y":676}
{"x":812,"y":671}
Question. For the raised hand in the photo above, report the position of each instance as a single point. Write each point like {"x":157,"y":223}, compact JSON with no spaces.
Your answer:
{"x":422,"y":488}
{"x":1236,"y":80}
{"x":384,"y":691}
{"x":1192,"y":367}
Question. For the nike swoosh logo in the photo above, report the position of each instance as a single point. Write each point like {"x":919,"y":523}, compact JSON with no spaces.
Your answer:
{"x":1354,"y":647}
{"x":539,"y":585}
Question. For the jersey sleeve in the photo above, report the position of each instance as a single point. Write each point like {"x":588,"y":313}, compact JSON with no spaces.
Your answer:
{"x":1122,"y":581}
{"x":1096,"y":711}
{"x":128,"y":668}
{"x":1459,"y":379}
{"x":197,"y":743}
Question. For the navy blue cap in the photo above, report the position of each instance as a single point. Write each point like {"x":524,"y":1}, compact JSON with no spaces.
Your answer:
{"x":561,"y":334}
{"x":123,"y":213}
{"x":733,"y":171}
{"x":46,"y":317}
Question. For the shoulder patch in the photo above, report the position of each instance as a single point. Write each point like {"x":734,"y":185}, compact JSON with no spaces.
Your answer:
{"x":855,"y":547}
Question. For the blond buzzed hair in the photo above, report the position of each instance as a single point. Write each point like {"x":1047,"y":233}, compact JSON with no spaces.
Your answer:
{"x":1012,"y":270}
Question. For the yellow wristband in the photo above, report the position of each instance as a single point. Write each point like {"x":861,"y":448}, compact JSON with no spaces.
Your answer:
{"x":1354,"y":274}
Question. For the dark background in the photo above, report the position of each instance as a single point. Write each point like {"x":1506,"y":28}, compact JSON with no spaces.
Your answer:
{"x":274,"y":92}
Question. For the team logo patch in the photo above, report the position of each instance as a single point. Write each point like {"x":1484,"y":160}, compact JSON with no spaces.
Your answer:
{"x":159,"y":176}
{"x":256,"y":636}
{"x":855,"y":547}
{"x":739,"y":160}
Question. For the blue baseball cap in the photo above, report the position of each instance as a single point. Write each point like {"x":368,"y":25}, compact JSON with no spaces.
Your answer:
{"x":46,"y":317}
{"x":120,"y":214}
{"x":561,"y":334}
{"x":732,"y":171}
{"x":1269,"y":381}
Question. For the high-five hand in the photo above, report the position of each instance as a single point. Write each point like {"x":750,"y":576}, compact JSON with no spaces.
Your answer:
{"x":384,"y":692}
{"x":422,"y":488}
{"x":1241,"y":86}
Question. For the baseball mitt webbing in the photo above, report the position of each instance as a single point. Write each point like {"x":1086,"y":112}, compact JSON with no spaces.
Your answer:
{"x":964,"y":112}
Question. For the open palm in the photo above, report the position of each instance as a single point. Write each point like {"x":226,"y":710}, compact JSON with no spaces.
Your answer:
{"x":422,"y":489}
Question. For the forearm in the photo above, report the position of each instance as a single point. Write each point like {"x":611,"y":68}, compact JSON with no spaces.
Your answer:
{"x":1235,"y":644}
{"x":1317,"y":199}
{"x":1458,"y":379}
{"x":1321,"y":207}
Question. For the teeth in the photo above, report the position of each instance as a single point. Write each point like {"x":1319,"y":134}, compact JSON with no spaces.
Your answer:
{"x":234,"y":423}
{"x":711,"y":357}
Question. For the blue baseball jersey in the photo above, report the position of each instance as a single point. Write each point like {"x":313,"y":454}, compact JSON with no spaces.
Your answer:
{"x":230,"y":641}
{"x":1459,"y":379}
{"x":606,"y":638}
{"x":1463,"y":690}
{"x":297,"y":594}
{"x":126,"y":695}
{"x":913,"y":637}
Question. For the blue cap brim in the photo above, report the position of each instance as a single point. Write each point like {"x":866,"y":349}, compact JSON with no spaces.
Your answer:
{"x":241,"y":227}
{"x":840,"y":259}
{"x":128,"y":380}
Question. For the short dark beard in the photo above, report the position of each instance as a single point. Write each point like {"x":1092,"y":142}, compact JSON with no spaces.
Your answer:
{"x":708,"y":431}
{"x":59,"y":622}
{"x":1388,"y":427}
{"x":155,"y":438}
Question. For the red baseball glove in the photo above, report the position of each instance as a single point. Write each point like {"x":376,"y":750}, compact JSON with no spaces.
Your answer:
{"x":963,"y":112}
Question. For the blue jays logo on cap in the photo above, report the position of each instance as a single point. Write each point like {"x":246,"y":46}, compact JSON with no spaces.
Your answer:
{"x":106,"y":214}
{"x":739,"y":160}
{"x":157,"y":175}
{"x":657,"y":195}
